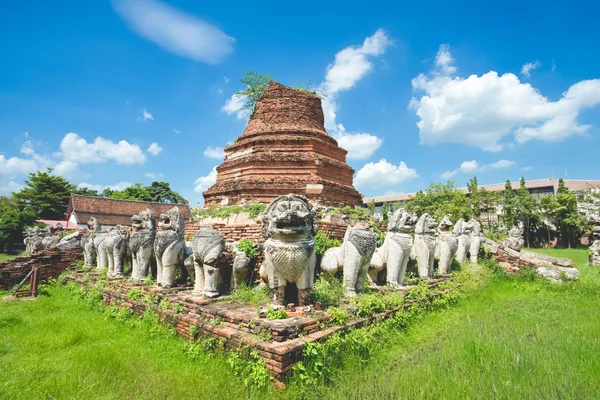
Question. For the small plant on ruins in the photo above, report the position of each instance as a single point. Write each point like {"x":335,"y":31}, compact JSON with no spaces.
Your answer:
{"x":323,"y":242}
{"x":328,"y":292}
{"x":255,"y":85}
{"x":246,"y":294}
{"x":194,"y":331}
{"x":178,"y":308}
{"x":164,"y":304}
{"x":273,"y":314}
{"x":248,"y":247}
{"x":339,"y":316}
{"x":529,"y":274}
{"x":149,"y":299}
{"x":369,"y":304}
{"x":79,"y":263}
{"x":148,"y":280}
{"x":135,"y":294}
{"x":103,"y":273}
{"x":253,"y":369}
{"x":420,"y":291}
{"x":308,"y":87}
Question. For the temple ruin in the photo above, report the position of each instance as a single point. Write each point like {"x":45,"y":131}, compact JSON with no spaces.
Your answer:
{"x":284,"y":149}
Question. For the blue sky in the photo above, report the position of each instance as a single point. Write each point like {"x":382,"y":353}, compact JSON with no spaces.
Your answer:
{"x":116,"y":92}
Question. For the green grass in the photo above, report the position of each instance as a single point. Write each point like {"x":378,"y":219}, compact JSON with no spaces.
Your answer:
{"x":7,"y":257}
{"x":57,"y":347}
{"x":506,"y":339}
{"x":510,"y":339}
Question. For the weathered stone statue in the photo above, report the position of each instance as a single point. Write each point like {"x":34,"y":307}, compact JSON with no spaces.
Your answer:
{"x":424,"y":245}
{"x":288,"y":229}
{"x":87,"y":243}
{"x":241,"y":265}
{"x":37,"y":239}
{"x":141,"y":244}
{"x":169,"y":247}
{"x":395,"y":251}
{"x":462,"y":231}
{"x":476,"y":239}
{"x":353,"y":257}
{"x":112,"y":251}
{"x":447,"y":245}
{"x":207,"y":245}
{"x":51,"y":237}
{"x":594,"y":250}
{"x":515,"y":239}
{"x":28,"y":240}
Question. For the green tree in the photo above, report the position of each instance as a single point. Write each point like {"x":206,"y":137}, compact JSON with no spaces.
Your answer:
{"x":255,"y":85}
{"x":371,"y":207}
{"x":439,"y":200}
{"x":526,"y":210}
{"x":489,"y":202}
{"x":474,"y":197}
{"x":45,"y":195}
{"x":86,"y":192}
{"x":568,"y":219}
{"x":161,"y":192}
{"x":384,"y":213}
{"x":509,"y":205}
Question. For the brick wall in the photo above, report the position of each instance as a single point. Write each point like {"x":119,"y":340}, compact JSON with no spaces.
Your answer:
{"x":50,"y":263}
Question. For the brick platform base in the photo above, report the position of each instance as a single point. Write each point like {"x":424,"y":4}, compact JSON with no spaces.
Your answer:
{"x":237,"y":325}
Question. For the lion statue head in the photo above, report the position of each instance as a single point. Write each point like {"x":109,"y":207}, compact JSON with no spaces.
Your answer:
{"x":143,"y":221}
{"x":402,"y":221}
{"x":462,"y":227}
{"x":288,"y":215}
{"x":475,"y":226}
{"x":426,"y":224}
{"x":172,"y":220}
{"x":445,"y":224}
{"x":94,"y":225}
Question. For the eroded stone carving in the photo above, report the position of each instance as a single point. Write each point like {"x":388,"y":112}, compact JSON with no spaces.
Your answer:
{"x":241,"y":265}
{"x":112,"y":251}
{"x":28,"y":240}
{"x":50,"y":236}
{"x":515,"y":239}
{"x":475,"y":240}
{"x":424,"y":245}
{"x":462,"y":231}
{"x":288,"y":229}
{"x":169,"y":247}
{"x":447,"y":245}
{"x":395,"y":251}
{"x":207,"y":245}
{"x":353,"y":257}
{"x":141,"y":244}
{"x":594,"y":250}
{"x":87,"y":243}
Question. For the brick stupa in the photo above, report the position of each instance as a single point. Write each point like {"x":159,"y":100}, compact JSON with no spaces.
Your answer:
{"x":284,"y":149}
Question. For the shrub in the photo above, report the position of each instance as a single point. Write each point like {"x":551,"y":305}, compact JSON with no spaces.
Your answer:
{"x":529,"y":274}
{"x":276,"y":314}
{"x":178,"y":308}
{"x":255,"y":296}
{"x":248,"y":247}
{"x":194,"y":331}
{"x":329,"y":292}
{"x":339,"y":316}
{"x":324,"y":242}
{"x":164,"y":304}
{"x":135,"y":294}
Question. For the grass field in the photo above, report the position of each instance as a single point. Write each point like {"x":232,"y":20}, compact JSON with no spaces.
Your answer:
{"x":7,"y":257}
{"x":509,"y":338}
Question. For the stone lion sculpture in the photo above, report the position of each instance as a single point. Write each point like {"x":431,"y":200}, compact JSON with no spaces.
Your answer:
{"x":207,"y":246}
{"x":447,"y":245}
{"x":395,"y":251}
{"x":28,"y":240}
{"x":37,"y":239}
{"x":476,"y":239}
{"x":112,"y":250}
{"x":288,"y":229}
{"x":169,"y":247}
{"x":141,"y":243}
{"x":353,"y":257}
{"x":424,"y":245}
{"x":51,"y":236}
{"x":462,"y":231}
{"x":87,"y":243}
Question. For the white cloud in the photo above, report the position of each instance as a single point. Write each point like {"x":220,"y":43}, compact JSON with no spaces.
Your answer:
{"x":234,"y":105}
{"x":154,"y":149}
{"x":9,"y":187}
{"x":177,"y":131}
{"x":66,"y":168}
{"x":527,"y":68}
{"x":175,"y":31}
{"x":152,"y":175}
{"x":481,"y":110}
{"x":360,"y":146}
{"x":15,"y":166}
{"x":382,"y":174}
{"x":468,"y":167}
{"x":119,"y":186}
{"x":147,"y":116}
{"x":204,"y":182}
{"x":444,"y":60}
{"x":214,"y":152}
{"x":77,"y":149}
{"x":527,"y":168}
{"x":351,"y":64}
{"x":226,"y":79}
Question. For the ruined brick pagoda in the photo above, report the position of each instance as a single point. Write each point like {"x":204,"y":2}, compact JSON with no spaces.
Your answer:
{"x":284,"y":149}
